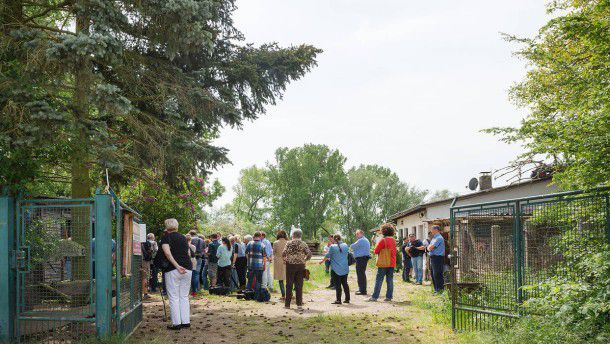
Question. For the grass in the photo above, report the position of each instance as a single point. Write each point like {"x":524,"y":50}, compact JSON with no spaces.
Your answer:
{"x":318,"y":278}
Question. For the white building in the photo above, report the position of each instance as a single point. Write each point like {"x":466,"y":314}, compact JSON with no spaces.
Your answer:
{"x":417,"y":219}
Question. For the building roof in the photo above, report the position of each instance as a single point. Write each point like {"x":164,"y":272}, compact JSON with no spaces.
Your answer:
{"x":423,"y":206}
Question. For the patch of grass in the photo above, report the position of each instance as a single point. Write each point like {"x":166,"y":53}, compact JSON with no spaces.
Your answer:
{"x":318,"y":278}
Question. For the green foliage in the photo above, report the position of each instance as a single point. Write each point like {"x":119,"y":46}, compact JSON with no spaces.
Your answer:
{"x":155,"y":201}
{"x":441,"y":195}
{"x":308,"y":186}
{"x":252,"y":195}
{"x":224,"y":221}
{"x":567,"y":93}
{"x":306,"y":182}
{"x":373,"y":193}
{"x":43,"y":238}
{"x":90,"y":85}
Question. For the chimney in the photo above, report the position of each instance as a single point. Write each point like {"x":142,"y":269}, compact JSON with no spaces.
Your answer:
{"x":485,"y":181}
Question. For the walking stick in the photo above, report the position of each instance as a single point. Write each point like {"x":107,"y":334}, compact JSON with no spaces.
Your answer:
{"x":164,"y":310}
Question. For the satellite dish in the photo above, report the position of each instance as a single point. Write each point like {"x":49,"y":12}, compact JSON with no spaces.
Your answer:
{"x":473,"y":184}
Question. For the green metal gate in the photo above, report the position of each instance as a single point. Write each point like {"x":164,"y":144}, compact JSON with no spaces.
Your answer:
{"x":498,"y":248}
{"x":62,"y":269}
{"x":54,"y":270}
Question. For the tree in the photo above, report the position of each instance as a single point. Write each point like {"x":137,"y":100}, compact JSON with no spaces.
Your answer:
{"x":224,"y":221}
{"x":90,"y":85}
{"x":373,"y":193}
{"x":305,"y":183}
{"x":441,"y":195}
{"x":567,"y":92}
{"x":156,"y":202}
{"x":252,"y":196}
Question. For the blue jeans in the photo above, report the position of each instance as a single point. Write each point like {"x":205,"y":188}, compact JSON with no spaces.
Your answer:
{"x":418,"y":263}
{"x":255,"y":280}
{"x":388,"y":273}
{"x":204,"y":275}
{"x":195,"y":278}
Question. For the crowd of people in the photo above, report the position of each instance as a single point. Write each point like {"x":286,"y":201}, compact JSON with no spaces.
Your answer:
{"x":190,"y":263}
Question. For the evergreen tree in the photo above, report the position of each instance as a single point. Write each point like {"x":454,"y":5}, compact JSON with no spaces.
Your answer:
{"x":89,"y":85}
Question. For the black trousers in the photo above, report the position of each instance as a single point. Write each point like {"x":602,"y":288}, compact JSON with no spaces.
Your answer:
{"x":340,"y":281}
{"x":361,"y":263}
{"x":240,"y":266}
{"x":154,"y":278}
{"x":224,"y":275}
{"x":294,"y":277}
{"x":436,"y":265}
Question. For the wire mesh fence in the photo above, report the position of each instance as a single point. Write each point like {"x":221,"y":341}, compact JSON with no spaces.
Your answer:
{"x":55,"y":270}
{"x":499,"y":249}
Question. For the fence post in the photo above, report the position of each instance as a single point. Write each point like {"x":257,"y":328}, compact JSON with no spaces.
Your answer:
{"x":518,"y":255}
{"x":103,"y":265}
{"x":7,"y":273}
{"x":453,"y":264}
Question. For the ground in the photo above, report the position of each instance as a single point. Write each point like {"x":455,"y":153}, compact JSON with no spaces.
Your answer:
{"x":408,"y":319}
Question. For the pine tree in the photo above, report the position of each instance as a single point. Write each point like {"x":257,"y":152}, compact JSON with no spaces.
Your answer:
{"x":89,"y":85}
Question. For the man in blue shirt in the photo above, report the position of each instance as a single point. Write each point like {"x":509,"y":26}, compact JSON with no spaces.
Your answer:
{"x":436,"y":251}
{"x":337,"y":254}
{"x":267,"y":278}
{"x":362,"y":253}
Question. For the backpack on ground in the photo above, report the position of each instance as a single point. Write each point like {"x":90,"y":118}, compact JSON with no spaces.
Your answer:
{"x":220,"y":290}
{"x":263,"y":295}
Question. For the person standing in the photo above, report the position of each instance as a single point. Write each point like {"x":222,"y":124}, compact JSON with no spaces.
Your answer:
{"x":149,"y":251}
{"x":199,"y":244}
{"x":296,"y":254}
{"x":203,"y":277}
{"x":255,"y":252}
{"x":386,"y":262}
{"x":337,"y":254}
{"x":362,"y":253}
{"x":192,"y":256}
{"x":406,"y":260}
{"x":416,"y":250}
{"x":326,"y":262}
{"x":267,"y":277}
{"x":240,"y":261}
{"x":224,"y":255}
{"x":279,"y":268}
{"x":177,"y":275}
{"x":213,"y":259}
{"x":436,"y":250}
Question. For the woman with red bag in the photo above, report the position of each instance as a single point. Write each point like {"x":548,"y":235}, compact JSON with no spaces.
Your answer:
{"x":386,"y":262}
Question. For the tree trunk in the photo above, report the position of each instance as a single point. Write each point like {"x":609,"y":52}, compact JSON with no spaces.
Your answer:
{"x":81,"y":182}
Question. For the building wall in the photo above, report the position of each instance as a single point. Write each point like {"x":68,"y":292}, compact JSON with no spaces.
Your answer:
{"x":410,"y":224}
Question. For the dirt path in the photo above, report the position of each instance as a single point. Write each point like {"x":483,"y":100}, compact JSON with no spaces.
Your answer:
{"x":227,"y":319}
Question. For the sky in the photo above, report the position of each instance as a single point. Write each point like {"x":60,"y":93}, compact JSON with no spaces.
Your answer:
{"x":404,"y":84}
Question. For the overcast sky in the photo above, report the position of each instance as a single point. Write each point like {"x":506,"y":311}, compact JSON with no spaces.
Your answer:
{"x":406,"y":84}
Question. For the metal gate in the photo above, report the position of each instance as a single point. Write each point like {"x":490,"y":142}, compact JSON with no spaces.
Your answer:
{"x":54,"y":270}
{"x":498,"y":248}
{"x":72,"y":269}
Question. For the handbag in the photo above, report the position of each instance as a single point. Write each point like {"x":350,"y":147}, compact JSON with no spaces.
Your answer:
{"x":306,"y":275}
{"x":350,"y":259}
{"x":384,"y":258}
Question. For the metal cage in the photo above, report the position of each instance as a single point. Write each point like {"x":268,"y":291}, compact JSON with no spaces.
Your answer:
{"x":498,"y":248}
